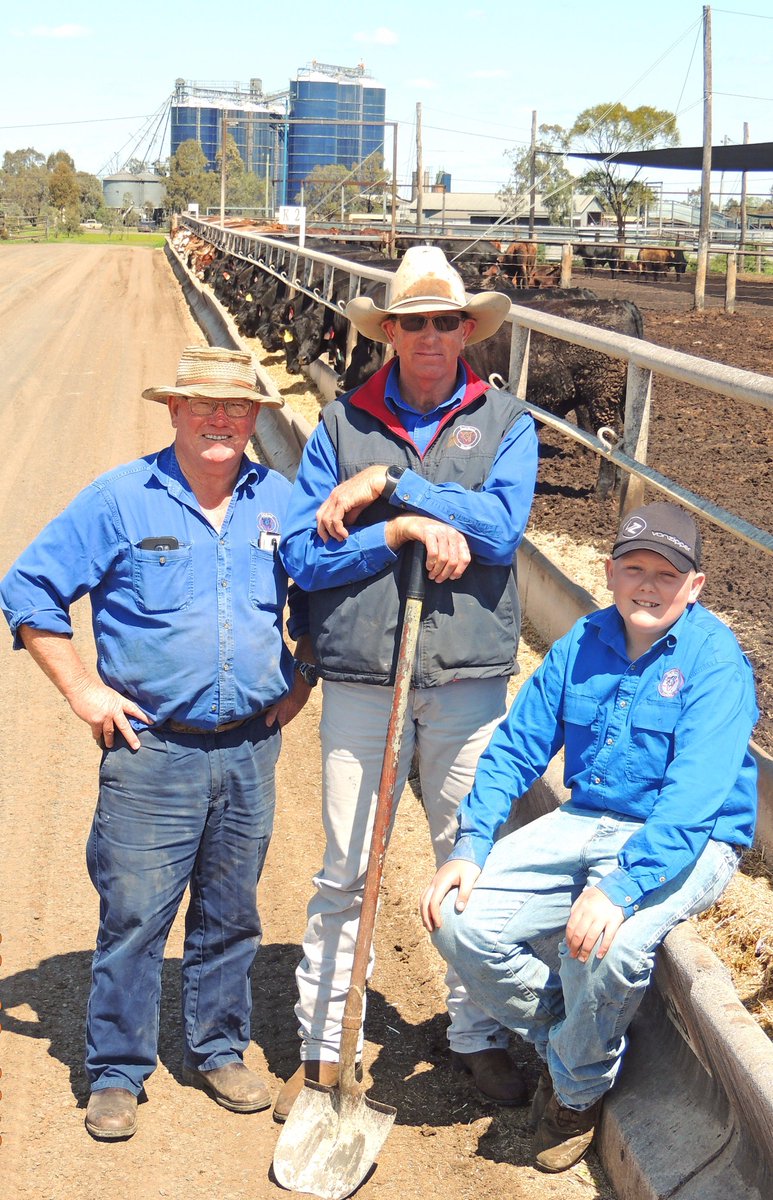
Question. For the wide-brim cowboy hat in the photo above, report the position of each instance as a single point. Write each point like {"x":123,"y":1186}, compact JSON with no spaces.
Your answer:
{"x":214,"y":373}
{"x":426,"y":282}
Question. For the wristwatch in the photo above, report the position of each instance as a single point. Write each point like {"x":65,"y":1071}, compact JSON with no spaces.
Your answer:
{"x":307,"y":671}
{"x":393,"y":477}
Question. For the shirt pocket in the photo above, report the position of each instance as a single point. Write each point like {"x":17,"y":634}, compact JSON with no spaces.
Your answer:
{"x":581,"y":728}
{"x":651,"y":747}
{"x":163,"y":579}
{"x":267,"y":587}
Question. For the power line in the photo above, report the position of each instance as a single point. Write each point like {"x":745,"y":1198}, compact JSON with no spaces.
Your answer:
{"x":91,"y":121}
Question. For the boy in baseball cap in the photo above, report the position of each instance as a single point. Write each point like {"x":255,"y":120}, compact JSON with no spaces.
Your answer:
{"x":653,"y":702}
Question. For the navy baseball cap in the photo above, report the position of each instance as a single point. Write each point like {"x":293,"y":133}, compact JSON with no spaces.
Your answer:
{"x":664,"y":528}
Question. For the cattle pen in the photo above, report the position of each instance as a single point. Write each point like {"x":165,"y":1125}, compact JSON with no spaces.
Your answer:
{"x":718,"y":1064}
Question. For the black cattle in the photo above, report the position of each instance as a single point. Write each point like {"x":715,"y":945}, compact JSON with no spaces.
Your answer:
{"x":564,"y":377}
{"x":594,"y":255}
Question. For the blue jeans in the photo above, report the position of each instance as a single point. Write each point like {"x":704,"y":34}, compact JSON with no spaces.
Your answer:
{"x":509,"y":950}
{"x":183,"y":810}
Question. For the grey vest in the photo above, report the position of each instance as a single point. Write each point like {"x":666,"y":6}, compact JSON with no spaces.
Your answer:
{"x":470,"y":626}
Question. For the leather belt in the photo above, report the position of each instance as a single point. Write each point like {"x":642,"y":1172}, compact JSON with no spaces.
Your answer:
{"x":177,"y":727}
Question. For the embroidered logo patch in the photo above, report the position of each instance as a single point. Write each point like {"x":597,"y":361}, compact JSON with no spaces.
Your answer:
{"x":633,"y":527}
{"x":465,"y":437}
{"x":671,"y":683}
{"x":267,"y":523}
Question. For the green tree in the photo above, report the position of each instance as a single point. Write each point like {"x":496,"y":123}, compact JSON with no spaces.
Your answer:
{"x":59,"y":156}
{"x":24,"y":181}
{"x":360,"y":184}
{"x":63,"y":187}
{"x":189,"y":180}
{"x":90,"y":193}
{"x":613,"y":129}
{"x":553,"y":180}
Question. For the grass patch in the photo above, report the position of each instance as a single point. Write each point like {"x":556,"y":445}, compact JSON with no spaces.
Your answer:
{"x":91,"y":237}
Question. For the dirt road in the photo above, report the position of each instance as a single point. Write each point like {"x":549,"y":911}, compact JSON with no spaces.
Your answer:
{"x":82,"y":330}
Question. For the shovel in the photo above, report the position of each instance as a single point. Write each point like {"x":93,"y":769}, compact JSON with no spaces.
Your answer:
{"x":332,"y":1136}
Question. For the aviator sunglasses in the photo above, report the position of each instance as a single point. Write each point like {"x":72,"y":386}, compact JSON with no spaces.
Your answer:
{"x":445,"y":323}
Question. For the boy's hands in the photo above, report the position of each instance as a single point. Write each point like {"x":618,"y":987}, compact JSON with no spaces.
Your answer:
{"x":458,"y":873}
{"x":592,"y":915}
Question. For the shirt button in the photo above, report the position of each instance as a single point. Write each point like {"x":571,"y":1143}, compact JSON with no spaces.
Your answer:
{"x":628,"y":899}
{"x":596,"y":779}
{"x":636,"y":908}
{"x":162,"y":560}
{"x":226,"y":667}
{"x":610,"y":741}
{"x":224,"y":583}
{"x":662,"y":879}
{"x":623,"y":703}
{"x":213,"y":708}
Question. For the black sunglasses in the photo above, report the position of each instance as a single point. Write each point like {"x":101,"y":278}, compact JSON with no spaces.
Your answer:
{"x":445,"y":323}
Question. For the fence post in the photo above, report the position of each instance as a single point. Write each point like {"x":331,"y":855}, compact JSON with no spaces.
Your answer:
{"x":566,"y":265}
{"x":518,"y":371}
{"x":730,"y":282}
{"x":636,"y":429}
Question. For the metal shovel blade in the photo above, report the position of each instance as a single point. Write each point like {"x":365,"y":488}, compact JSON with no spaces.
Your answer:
{"x":330,"y":1141}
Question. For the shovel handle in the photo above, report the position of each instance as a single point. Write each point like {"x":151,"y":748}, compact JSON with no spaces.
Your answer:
{"x":409,"y":633}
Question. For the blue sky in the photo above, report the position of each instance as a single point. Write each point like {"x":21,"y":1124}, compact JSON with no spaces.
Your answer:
{"x":88,"y":77}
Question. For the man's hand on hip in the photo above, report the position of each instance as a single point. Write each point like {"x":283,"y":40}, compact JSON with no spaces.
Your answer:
{"x":106,"y":710}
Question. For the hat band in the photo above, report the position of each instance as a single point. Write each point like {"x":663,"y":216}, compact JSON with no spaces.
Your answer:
{"x":208,"y":381}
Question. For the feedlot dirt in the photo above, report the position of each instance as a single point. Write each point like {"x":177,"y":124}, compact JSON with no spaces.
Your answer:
{"x":82,"y":330}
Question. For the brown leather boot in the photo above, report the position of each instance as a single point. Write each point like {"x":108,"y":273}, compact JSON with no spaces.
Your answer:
{"x":541,"y":1096}
{"x":494,"y":1074}
{"x":233,"y":1086}
{"x":564,"y":1134}
{"x":112,"y":1114}
{"x":318,"y":1072}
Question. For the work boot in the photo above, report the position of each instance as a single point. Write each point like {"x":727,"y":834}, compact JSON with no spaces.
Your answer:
{"x":325,"y":1073}
{"x":564,"y":1134}
{"x":112,"y":1114}
{"x":541,"y":1096}
{"x":233,"y":1086}
{"x":494,"y":1074}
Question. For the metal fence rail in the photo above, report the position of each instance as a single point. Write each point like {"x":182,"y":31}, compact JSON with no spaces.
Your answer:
{"x":292,"y":264}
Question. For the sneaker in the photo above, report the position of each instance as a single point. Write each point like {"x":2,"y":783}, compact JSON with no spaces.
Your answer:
{"x":564,"y":1134}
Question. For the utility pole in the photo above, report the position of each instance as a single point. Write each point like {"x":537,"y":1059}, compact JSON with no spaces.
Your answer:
{"x":705,"y":218}
{"x":419,"y":172}
{"x":533,"y":174}
{"x":742,"y":232}
{"x":222,"y":168}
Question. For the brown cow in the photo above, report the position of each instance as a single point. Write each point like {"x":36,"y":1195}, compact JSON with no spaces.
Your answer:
{"x":520,"y":258}
{"x":656,"y":260}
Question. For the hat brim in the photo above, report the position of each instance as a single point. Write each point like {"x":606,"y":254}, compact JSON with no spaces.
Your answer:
{"x":682,"y":563}
{"x":212,"y":391}
{"x":487,"y":309}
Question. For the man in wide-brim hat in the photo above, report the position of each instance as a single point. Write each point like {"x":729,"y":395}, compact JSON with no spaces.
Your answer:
{"x":423,"y":451}
{"x":193,"y":683}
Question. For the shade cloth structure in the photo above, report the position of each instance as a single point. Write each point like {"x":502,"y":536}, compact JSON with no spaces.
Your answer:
{"x":754,"y":156}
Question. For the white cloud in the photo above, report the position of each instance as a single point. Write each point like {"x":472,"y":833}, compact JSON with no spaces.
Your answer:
{"x":378,"y":37}
{"x":59,"y":31}
{"x":425,"y":85}
{"x":489,"y":73}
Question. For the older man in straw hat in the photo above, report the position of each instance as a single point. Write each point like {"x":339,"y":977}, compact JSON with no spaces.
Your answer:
{"x":178,"y":552}
{"x":424,"y":451}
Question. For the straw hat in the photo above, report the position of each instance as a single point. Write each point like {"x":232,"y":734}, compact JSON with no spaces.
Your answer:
{"x":426,"y":282}
{"x":214,"y":373}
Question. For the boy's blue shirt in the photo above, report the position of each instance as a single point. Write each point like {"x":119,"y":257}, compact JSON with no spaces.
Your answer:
{"x":663,"y":740}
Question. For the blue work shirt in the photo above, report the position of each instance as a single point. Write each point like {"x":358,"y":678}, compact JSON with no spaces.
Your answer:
{"x":663,"y":740}
{"x":492,"y":519}
{"x":192,"y":633}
